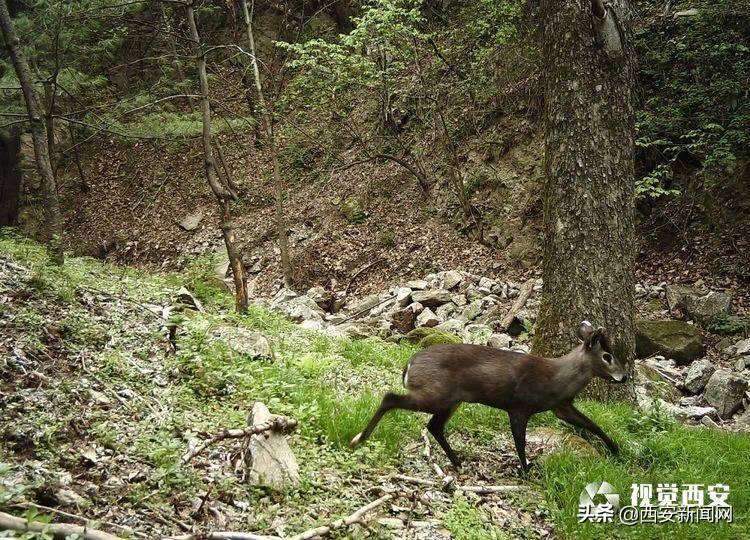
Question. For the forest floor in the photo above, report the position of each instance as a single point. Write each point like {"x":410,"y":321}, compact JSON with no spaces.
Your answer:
{"x":96,"y":412}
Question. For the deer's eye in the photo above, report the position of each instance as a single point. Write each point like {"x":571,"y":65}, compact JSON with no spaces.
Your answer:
{"x":607,"y":357}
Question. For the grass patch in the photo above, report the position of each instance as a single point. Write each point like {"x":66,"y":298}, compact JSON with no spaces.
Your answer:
{"x":654,"y":450}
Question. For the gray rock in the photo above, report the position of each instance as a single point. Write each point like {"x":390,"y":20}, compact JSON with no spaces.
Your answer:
{"x":284,"y":295}
{"x":452,"y":279}
{"x":321,"y":297}
{"x":698,"y":375}
{"x":459,"y":299}
{"x":404,"y":319}
{"x":452,"y":326}
{"x":674,"y":339}
{"x":391,"y":523}
{"x":477,"y":334}
{"x":433,"y":298}
{"x":417,"y":284}
{"x":742,"y":347}
{"x":473,"y":310}
{"x":703,"y":307}
{"x":191,"y":221}
{"x":302,"y":309}
{"x":725,"y":391}
{"x":244,"y":341}
{"x":692,"y":12}
{"x":272,"y":462}
{"x":500,"y":341}
{"x":743,"y":362}
{"x":403,"y":296}
{"x":427,"y":318}
{"x":445,"y":311}
{"x":742,"y":422}
{"x":367,"y":303}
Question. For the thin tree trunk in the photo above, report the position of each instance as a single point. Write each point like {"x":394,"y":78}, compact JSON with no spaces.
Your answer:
{"x":286,"y":263}
{"x":53,"y":221}
{"x":222,"y":194}
{"x":589,"y":237}
{"x":227,"y":172}
{"x":77,"y":159}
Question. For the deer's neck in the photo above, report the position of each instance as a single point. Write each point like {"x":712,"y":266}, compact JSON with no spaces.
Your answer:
{"x":573,"y":373}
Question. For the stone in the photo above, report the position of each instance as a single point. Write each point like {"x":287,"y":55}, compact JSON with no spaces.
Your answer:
{"x":704,"y":307}
{"x":244,"y":341}
{"x":452,"y":279}
{"x":391,"y":523}
{"x":500,"y":341}
{"x":473,"y":310}
{"x":427,"y":318}
{"x":353,"y":211}
{"x":742,"y":347}
{"x":698,"y":375}
{"x":272,"y":462}
{"x":742,"y":422}
{"x":477,"y":334}
{"x":191,"y":221}
{"x":692,"y":12}
{"x":284,"y":295}
{"x":405,"y":319}
{"x":403,"y":296}
{"x":69,"y":498}
{"x":431,"y":298}
{"x":366,"y":304}
{"x":417,"y":284}
{"x":743,"y":362}
{"x":322,"y":297}
{"x":416,"y":335}
{"x":725,"y":391}
{"x":438,"y":338}
{"x":186,"y":298}
{"x":302,"y":309}
{"x":674,"y":339}
{"x":445,"y":311}
{"x":452,"y":326}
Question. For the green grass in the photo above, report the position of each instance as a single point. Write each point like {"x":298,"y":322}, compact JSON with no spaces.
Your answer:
{"x":332,"y":387}
{"x":653,"y":451}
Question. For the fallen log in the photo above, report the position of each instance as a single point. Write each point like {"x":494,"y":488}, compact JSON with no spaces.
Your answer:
{"x":58,"y":530}
{"x":356,"y":517}
{"x":283,"y":424}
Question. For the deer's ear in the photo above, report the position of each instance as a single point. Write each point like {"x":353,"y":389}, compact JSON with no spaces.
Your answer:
{"x":597,"y":336}
{"x":585,"y":332}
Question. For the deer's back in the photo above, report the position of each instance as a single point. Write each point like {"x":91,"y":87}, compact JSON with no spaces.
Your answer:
{"x":476,"y":374}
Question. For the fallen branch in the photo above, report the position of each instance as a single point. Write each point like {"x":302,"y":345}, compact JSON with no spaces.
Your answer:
{"x":526,"y":290}
{"x":278,"y":423}
{"x":356,"y":517}
{"x":76,"y":516}
{"x":482,"y":490}
{"x":355,"y":315}
{"x":59,"y":530}
{"x":223,"y":535}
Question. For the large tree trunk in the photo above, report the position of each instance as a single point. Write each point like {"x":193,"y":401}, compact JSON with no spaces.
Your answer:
{"x":286,"y":262}
{"x":53,"y":221}
{"x":223,"y":195}
{"x":589,"y":242}
{"x":10,"y":177}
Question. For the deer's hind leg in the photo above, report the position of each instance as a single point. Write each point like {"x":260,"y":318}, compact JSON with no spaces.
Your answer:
{"x":436,"y":426}
{"x":390,"y":401}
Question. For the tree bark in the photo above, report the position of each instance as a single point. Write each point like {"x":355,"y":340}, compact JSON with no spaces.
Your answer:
{"x":52,"y":218}
{"x":223,"y":196}
{"x":10,"y":177}
{"x":589,"y":241}
{"x":286,"y":263}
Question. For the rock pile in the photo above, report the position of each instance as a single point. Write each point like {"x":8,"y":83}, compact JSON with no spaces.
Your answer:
{"x":455,"y":306}
{"x":451,"y":304}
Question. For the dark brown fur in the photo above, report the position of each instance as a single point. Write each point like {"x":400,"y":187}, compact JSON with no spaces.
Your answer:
{"x":440,"y":378}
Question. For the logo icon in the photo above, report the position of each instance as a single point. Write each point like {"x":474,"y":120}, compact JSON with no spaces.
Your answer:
{"x":598,"y":502}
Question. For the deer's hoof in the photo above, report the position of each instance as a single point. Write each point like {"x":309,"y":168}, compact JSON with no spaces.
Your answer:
{"x":355,"y":441}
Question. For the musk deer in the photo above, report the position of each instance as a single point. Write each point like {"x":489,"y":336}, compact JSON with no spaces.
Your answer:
{"x":441,"y":377}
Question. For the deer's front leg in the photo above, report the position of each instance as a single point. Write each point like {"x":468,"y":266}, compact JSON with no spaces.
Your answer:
{"x":518,"y":423}
{"x":573,"y":416}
